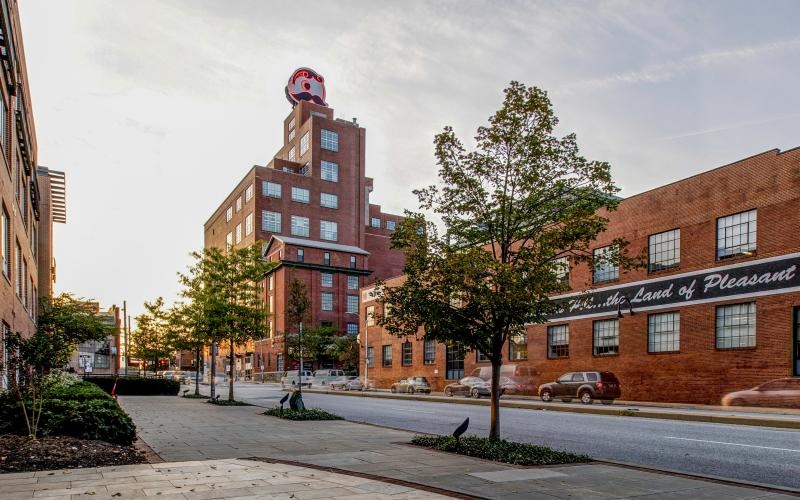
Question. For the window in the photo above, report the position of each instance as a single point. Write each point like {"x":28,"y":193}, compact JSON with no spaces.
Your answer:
{"x":248,"y":224}
{"x":370,"y":357}
{"x":664,"y":332}
{"x":391,"y":225}
{"x":387,"y":355}
{"x":558,"y":341}
{"x":328,"y":200}
{"x":279,"y":362}
{"x":406,"y":353}
{"x":291,"y":124}
{"x":24,"y":278}
{"x":352,"y":304}
{"x":301,"y":255}
{"x":6,"y":244}
{"x":238,"y":204}
{"x":228,"y":240}
{"x":664,"y":250}
{"x":271,"y":189}
{"x":481,"y":357}
{"x":327,"y":301}
{"x":292,"y":155}
{"x":352,"y":262}
{"x":603,"y":269}
{"x":736,"y":326}
{"x":352,"y":282}
{"x":328,"y":230}
{"x":248,"y":193}
{"x":375,"y":222}
{"x":329,"y":171}
{"x":19,"y":271}
{"x":4,"y":126}
{"x":606,"y":337}
{"x":326,"y":258}
{"x":518,"y":347}
{"x":352,"y":328}
{"x":429,"y":352}
{"x":299,"y":226}
{"x":229,"y":214}
{"x":562,"y":269}
{"x":305,"y":142}
{"x":318,"y":114}
{"x":329,"y":140}
{"x":291,"y":135}
{"x":370,"y":315}
{"x":326,"y":280}
{"x":736,"y":235}
{"x":238,"y":231}
{"x":271,"y":285}
{"x":300,"y":195}
{"x":270,"y":221}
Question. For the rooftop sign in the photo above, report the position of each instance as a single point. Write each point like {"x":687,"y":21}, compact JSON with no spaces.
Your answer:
{"x":305,"y":84}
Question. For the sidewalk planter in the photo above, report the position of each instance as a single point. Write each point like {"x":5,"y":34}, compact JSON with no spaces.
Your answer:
{"x":136,"y":386}
{"x":500,"y":451}
{"x":309,"y":414}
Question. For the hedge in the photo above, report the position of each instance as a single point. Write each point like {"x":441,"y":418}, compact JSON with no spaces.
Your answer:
{"x":136,"y":386}
{"x":82,"y":391}
{"x":501,"y":450}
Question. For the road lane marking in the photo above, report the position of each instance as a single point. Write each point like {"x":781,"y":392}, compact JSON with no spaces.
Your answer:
{"x":732,"y":444}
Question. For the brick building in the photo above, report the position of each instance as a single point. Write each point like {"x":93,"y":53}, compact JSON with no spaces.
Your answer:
{"x":310,"y":206}
{"x":715,"y":310}
{"x":100,"y":357}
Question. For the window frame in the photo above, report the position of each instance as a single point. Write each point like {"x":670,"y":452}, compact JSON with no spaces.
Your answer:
{"x":406,"y":354}
{"x":327,"y":301}
{"x":752,"y":246}
{"x":655,"y":344}
{"x":563,"y":349}
{"x":752,"y":324}
{"x":428,"y":347}
{"x":326,"y":279}
{"x":675,"y":263}
{"x":596,"y":346}
{"x":352,"y":304}
{"x":386,"y":361}
{"x":301,"y":195}
{"x":305,"y":143}
{"x":328,"y":140}
{"x":300,"y":226}
{"x":332,"y":200}
{"x":268,"y":192}
{"x":613,"y":273}
{"x":329,"y":171}
{"x":325,"y":232}
{"x":270,"y":217}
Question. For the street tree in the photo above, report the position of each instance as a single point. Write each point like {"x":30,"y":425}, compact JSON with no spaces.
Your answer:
{"x":151,"y":341}
{"x":345,"y":350}
{"x":510,"y":211}
{"x":187,"y":333}
{"x":315,"y":343}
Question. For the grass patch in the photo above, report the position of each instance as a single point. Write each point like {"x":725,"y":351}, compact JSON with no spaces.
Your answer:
{"x":194,"y":396}
{"x":309,"y":414}
{"x":227,"y":402}
{"x":500,"y":451}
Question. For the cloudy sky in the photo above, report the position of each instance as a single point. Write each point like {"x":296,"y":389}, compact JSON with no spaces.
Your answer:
{"x":156,"y":109}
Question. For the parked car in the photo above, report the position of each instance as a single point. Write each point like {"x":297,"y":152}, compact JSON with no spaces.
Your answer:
{"x":185,"y":377}
{"x":412,"y":385}
{"x":292,"y":379}
{"x":586,"y":386}
{"x":779,"y":393}
{"x":469,"y":386}
{"x":323,"y":377}
{"x":346,"y":384}
{"x":510,"y":385}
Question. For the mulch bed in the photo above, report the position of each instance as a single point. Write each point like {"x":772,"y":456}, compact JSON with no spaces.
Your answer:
{"x":20,"y":454}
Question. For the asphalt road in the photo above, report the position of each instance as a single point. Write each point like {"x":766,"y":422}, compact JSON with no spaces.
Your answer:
{"x":757,"y":454}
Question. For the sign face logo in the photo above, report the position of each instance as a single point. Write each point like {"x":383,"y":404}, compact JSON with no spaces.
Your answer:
{"x":305,"y":84}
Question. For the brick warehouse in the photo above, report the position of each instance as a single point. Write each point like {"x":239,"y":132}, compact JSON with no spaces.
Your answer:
{"x":310,"y":206}
{"x":716,"y":309}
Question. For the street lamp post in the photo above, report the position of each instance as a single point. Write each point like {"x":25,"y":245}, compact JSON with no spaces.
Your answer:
{"x":366,"y":351}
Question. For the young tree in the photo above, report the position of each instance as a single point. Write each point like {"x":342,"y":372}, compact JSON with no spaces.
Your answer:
{"x":346,"y":350}
{"x":151,"y":339}
{"x":315,"y":343}
{"x":510,"y":209}
{"x":187,"y":333}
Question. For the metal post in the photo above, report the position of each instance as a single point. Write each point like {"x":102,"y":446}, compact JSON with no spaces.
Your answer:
{"x":213,"y":368}
{"x":300,"y":347}
{"x":125,"y":327}
{"x":366,"y":350}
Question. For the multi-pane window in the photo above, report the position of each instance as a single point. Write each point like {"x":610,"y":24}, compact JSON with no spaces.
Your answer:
{"x":24,"y":283}
{"x":229,"y":214}
{"x":370,"y":315}
{"x":406,"y":353}
{"x":664,"y":250}
{"x":279,"y":362}
{"x":3,"y":126}
{"x":327,"y":301}
{"x":736,"y":326}
{"x":352,"y":304}
{"x":518,"y":347}
{"x":329,"y":140}
{"x":604,"y":269}
{"x":370,"y":357}
{"x":352,"y":328}
{"x":248,"y":193}
{"x":352,"y":262}
{"x":229,"y":240}
{"x":305,"y":142}
{"x":326,"y":258}
{"x":375,"y":222}
{"x":329,"y":171}
{"x":238,"y":204}
{"x":329,"y":200}
{"x":562,"y":269}
{"x":606,"y":337}
{"x":736,"y":234}
{"x":6,"y":244}
{"x":248,"y":224}
{"x":300,"y":226}
{"x":292,"y":123}
{"x":328,"y":230}
{"x":271,"y":189}
{"x":300,"y":195}
{"x":387,"y":355}
{"x":391,"y":225}
{"x":429,"y":352}
{"x":558,"y":341}
{"x":291,"y":135}
{"x":19,"y":271}
{"x":270,"y":221}
{"x":238,"y":232}
{"x":301,"y":255}
{"x":352,"y":282}
{"x":326,"y":280}
{"x":292,"y":155}
{"x":664,"y":332}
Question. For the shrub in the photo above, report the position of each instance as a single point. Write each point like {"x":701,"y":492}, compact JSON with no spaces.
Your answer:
{"x":57,"y":380}
{"x":136,"y":386}
{"x":82,"y":391}
{"x":227,"y":402}
{"x":500,"y":451}
{"x":309,"y":414}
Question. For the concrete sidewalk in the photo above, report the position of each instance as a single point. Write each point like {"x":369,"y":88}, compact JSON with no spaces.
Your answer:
{"x":184,"y":429}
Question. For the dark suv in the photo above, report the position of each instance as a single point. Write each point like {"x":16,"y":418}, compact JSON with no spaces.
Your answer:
{"x":586,"y":386}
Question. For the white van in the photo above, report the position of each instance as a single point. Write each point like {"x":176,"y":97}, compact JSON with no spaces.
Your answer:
{"x":292,"y":379}
{"x":324,"y":377}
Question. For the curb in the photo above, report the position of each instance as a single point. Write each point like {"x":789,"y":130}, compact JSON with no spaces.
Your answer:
{"x":613,"y":412}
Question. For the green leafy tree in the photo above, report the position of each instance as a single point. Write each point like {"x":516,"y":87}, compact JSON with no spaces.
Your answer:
{"x":315,"y":342}
{"x":510,"y":209}
{"x":151,"y":340}
{"x":298,"y":310}
{"x":187,"y":333}
{"x":346,"y":350}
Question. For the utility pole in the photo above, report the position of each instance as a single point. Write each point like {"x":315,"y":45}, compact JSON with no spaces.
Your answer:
{"x":300,"y":371}
{"x":126,"y":358}
{"x":366,"y":351}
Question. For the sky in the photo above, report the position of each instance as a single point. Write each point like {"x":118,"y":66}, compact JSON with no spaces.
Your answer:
{"x":156,"y":109}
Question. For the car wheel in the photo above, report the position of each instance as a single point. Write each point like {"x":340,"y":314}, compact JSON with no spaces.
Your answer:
{"x":346,"y":388}
{"x":476,"y":394}
{"x":410,"y":390}
{"x":586,"y":397}
{"x":393,"y":390}
{"x":448,"y":392}
{"x":546,"y":395}
{"x":607,"y":401}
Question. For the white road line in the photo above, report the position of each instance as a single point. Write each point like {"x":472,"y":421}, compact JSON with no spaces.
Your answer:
{"x":732,"y":444}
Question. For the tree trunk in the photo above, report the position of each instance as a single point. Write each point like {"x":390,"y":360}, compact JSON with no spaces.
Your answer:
{"x":197,"y":373}
{"x":230,"y":382}
{"x":213,"y":369}
{"x":494,"y":419}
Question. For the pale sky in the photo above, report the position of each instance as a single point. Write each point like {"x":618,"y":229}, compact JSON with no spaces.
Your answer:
{"x":156,"y":109}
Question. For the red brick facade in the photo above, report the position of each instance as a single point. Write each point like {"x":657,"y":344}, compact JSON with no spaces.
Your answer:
{"x":694,"y":369}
